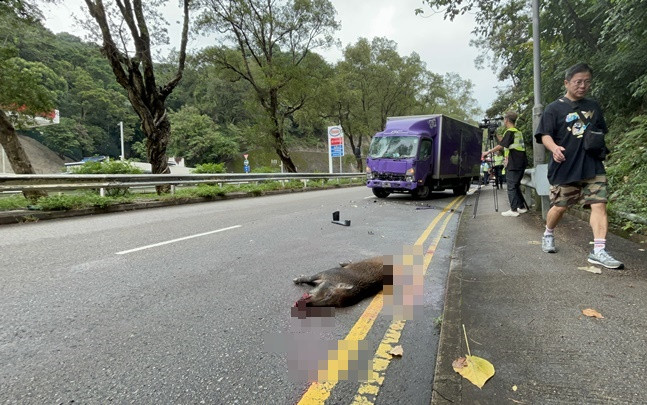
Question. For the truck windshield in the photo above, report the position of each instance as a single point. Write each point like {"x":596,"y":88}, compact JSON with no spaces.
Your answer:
{"x":394,"y":147}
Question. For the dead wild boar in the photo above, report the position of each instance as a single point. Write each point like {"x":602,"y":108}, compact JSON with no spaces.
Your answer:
{"x":345,"y":285}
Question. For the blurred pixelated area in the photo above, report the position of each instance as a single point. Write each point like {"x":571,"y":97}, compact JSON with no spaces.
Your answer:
{"x":312,"y":359}
{"x":404,"y":284}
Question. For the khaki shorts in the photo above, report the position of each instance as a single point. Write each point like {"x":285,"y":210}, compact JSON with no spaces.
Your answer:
{"x":586,"y":192}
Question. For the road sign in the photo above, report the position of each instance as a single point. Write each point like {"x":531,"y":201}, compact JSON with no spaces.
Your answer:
{"x":335,"y":145}
{"x":337,"y":150}
{"x":335,"y":131}
{"x":246,"y":155}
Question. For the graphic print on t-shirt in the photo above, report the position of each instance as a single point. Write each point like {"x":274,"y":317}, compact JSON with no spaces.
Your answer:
{"x":578,"y":127}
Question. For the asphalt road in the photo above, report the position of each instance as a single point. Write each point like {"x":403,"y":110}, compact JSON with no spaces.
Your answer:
{"x":191,"y":304}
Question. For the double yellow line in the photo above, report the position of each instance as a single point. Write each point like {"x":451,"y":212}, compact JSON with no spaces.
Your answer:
{"x":317,"y":393}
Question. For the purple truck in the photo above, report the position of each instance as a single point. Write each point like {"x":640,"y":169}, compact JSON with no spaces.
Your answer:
{"x":421,"y":154}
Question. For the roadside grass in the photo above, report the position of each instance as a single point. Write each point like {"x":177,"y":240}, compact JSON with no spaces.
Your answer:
{"x":91,"y":199}
{"x":13,"y":202}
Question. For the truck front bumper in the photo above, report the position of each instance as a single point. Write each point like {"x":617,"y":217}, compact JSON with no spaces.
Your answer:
{"x":395,"y":185}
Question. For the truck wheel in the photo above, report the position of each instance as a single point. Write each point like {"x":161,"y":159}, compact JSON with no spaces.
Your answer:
{"x":462,"y":188}
{"x":380,"y":193}
{"x":421,"y":193}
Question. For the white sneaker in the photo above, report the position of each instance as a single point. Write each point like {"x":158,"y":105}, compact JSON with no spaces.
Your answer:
{"x":522,"y":210}
{"x":510,"y":213}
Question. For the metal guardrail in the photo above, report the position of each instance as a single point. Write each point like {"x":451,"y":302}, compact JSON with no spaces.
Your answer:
{"x":537,"y":178}
{"x":59,"y":182}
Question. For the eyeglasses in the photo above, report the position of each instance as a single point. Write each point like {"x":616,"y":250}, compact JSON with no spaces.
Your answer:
{"x":579,"y":83}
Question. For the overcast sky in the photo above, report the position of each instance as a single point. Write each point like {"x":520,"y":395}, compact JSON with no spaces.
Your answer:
{"x":442,"y":45}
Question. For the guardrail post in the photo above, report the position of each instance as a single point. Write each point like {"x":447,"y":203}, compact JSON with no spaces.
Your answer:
{"x":102,"y":192}
{"x":172,"y":189}
{"x":305,"y":183}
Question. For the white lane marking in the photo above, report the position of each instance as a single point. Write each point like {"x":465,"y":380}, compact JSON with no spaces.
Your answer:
{"x":123,"y":252}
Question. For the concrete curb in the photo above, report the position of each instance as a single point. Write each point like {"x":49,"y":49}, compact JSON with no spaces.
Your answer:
{"x":447,"y":383}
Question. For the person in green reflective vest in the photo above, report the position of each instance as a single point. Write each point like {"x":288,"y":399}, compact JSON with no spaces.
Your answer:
{"x":517,"y":162}
{"x":499,"y":169}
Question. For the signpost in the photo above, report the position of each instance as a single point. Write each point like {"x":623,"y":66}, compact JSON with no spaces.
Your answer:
{"x":335,"y":146}
{"x":246,"y":163}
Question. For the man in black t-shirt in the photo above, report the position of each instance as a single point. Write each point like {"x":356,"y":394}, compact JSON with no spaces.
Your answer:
{"x":517,"y":161}
{"x":575,"y":175}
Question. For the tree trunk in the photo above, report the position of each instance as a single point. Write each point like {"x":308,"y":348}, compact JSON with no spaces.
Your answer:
{"x":18,"y":159}
{"x":158,"y":133}
{"x":282,"y":151}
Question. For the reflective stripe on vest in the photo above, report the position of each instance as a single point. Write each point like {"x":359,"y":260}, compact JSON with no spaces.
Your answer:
{"x":517,"y":144}
{"x":498,"y":160}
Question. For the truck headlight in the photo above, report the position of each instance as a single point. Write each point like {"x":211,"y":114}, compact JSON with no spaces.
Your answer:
{"x":369,"y":173}
{"x":410,"y":175}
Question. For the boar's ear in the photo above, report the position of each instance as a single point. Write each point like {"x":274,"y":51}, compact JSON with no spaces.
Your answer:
{"x":344,"y":286}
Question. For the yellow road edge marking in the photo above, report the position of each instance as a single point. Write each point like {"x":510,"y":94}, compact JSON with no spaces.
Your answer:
{"x":382,"y":358}
{"x":317,"y":393}
{"x":433,"y":223}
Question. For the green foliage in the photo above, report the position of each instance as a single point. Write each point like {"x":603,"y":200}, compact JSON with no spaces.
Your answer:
{"x":13,"y":202}
{"x":207,"y":168}
{"x":203,"y":190}
{"x":274,"y":61}
{"x":199,"y":140}
{"x":438,"y":321}
{"x":23,"y":82}
{"x":108,"y":167}
{"x":78,"y":201}
{"x":31,"y":85}
{"x":627,"y":171}
{"x":216,"y":111}
{"x":68,"y":138}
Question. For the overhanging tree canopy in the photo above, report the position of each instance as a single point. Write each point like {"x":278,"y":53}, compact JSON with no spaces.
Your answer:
{"x":133,"y":66}
{"x":271,"y":41}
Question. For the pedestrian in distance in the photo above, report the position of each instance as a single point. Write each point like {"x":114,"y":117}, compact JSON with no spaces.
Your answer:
{"x":569,"y":129}
{"x":513,"y":142}
{"x":485,"y":170}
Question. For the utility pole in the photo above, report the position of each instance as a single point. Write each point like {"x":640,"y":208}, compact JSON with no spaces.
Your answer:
{"x":539,"y":150}
{"x":121,"y":130}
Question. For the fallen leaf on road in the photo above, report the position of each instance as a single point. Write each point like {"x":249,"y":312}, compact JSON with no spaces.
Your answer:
{"x":397,"y":351}
{"x":534,"y":242}
{"x":514,"y":388}
{"x":591,"y":269}
{"x":592,"y":313}
{"x":475,"y":369}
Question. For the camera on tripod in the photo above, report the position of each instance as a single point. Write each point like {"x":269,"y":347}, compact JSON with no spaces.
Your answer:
{"x":491,"y":124}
